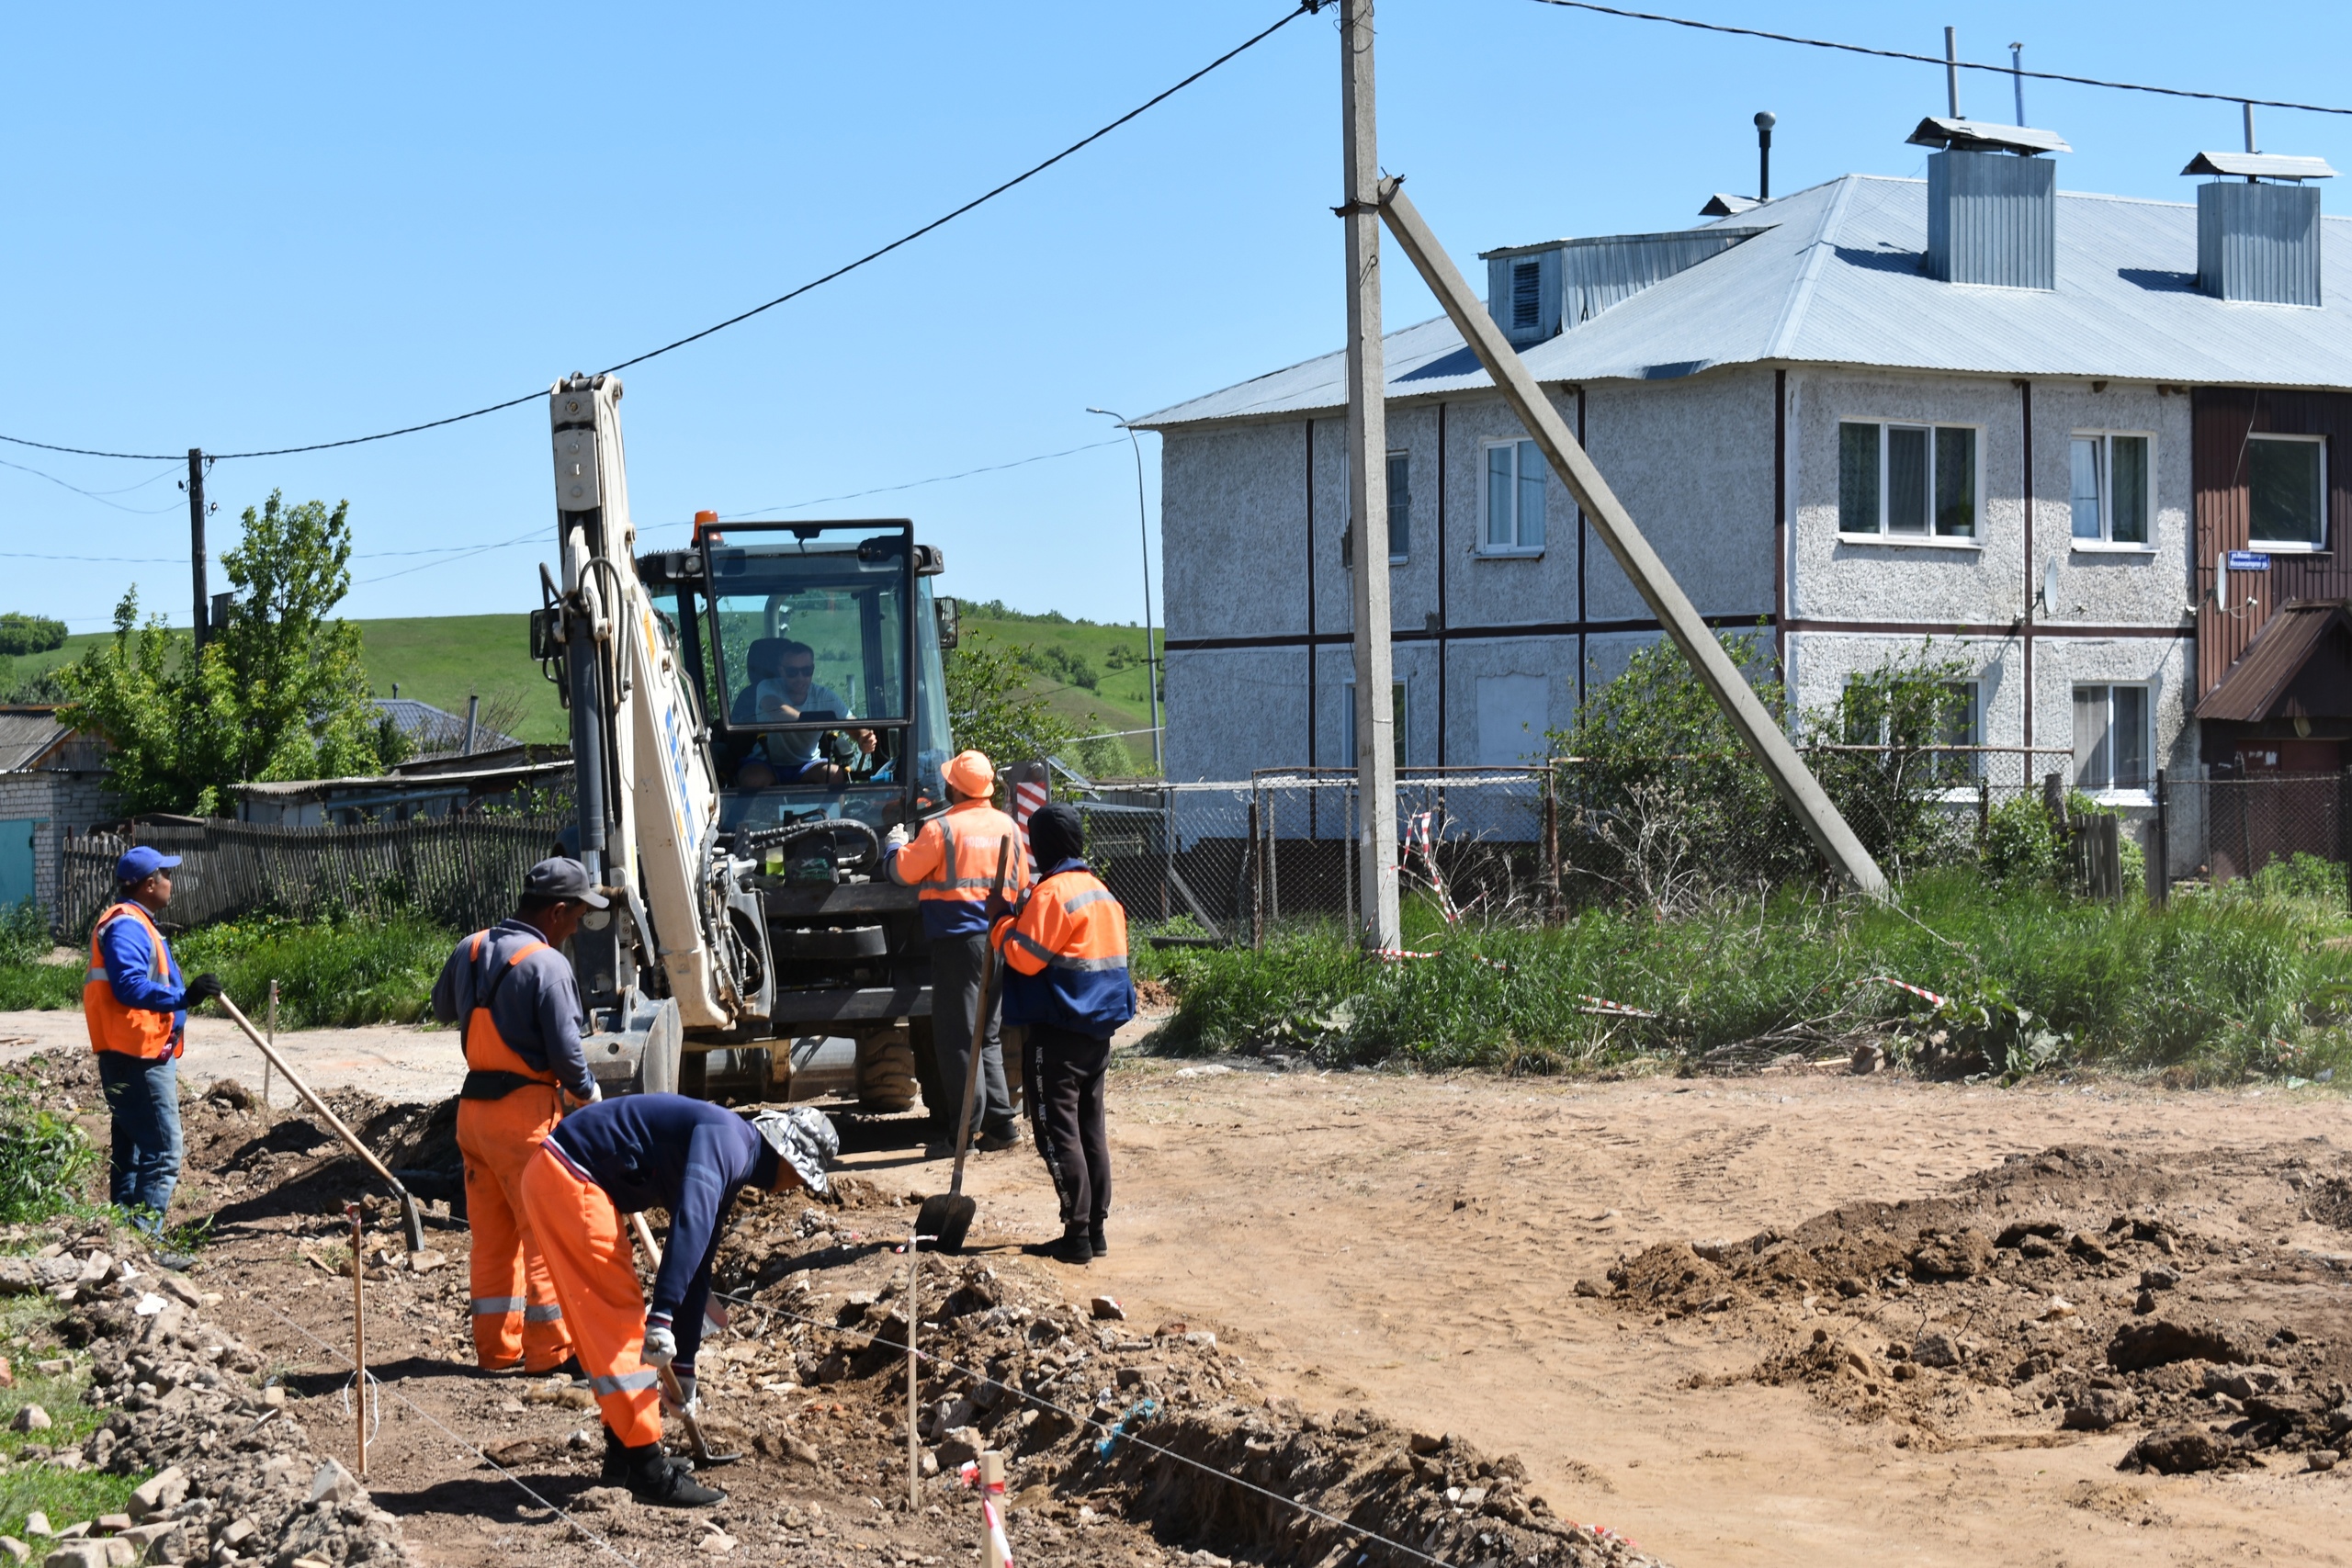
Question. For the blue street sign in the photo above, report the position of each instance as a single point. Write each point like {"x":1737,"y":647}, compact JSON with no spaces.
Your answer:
{"x":2249,"y":560}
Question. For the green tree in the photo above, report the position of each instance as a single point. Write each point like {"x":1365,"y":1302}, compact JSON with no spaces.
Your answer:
{"x":29,"y":634}
{"x":279,"y":693}
{"x":989,"y":705}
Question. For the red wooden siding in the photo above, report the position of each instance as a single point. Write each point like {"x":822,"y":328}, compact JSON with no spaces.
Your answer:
{"x":2223,"y":418}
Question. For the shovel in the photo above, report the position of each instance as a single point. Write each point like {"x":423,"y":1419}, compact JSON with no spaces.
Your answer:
{"x":704,"y":1458}
{"x":412,"y":1217}
{"x":947,"y":1217}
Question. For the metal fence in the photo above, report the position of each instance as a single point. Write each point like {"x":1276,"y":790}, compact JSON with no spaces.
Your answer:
{"x":464,"y":871}
{"x":2230,"y":828}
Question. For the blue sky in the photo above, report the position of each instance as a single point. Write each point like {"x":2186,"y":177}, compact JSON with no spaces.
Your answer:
{"x":264,"y":226}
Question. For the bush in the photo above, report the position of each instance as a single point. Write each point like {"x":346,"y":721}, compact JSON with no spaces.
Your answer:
{"x":24,"y":933}
{"x":43,"y":1161}
{"x":29,"y":634}
{"x":2020,"y":847}
{"x":331,"y":974}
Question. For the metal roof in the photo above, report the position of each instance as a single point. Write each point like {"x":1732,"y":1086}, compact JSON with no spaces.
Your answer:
{"x":2256,"y":687}
{"x":27,"y":735}
{"x":433,"y":729}
{"x":2264,"y":165}
{"x":1836,"y":279}
{"x":1723,"y":203}
{"x":1976,"y":136}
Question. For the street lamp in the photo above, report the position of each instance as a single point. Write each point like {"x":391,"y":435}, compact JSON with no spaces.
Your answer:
{"x":1143,"y":530}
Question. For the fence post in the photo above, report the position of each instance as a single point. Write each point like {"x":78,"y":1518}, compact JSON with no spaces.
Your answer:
{"x":1257,"y":881}
{"x":2159,"y":866}
{"x":1983,"y":810}
{"x":1273,"y":867}
{"x":2344,"y":829}
{"x":1551,"y":847}
{"x":1166,"y":850}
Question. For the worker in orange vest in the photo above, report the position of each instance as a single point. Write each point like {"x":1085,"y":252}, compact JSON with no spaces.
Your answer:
{"x":952,"y":865}
{"x":1064,"y":952}
{"x":512,"y":994}
{"x":136,"y":1007}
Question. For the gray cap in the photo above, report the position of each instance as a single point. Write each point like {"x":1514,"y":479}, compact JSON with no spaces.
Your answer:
{"x":562,"y":877}
{"x":803,"y":1137}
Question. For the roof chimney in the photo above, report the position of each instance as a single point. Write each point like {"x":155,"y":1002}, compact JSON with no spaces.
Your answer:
{"x":1992,"y":203}
{"x":1536,"y":292}
{"x":2258,"y":243}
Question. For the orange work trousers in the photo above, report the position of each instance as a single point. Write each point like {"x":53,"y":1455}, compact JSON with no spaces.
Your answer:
{"x":587,"y":1244}
{"x":517,"y":1317}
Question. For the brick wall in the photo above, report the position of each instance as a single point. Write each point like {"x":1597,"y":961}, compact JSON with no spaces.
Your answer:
{"x":60,"y":800}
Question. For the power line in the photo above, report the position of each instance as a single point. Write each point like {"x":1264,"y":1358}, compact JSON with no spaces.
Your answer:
{"x":839,"y":272}
{"x":910,"y":484}
{"x":100,"y":495}
{"x":1934,"y":58}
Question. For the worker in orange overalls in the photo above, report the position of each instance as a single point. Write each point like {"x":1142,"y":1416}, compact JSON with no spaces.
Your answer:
{"x":952,"y":866}
{"x":512,"y":994}
{"x":1065,"y":983}
{"x":136,"y":1009}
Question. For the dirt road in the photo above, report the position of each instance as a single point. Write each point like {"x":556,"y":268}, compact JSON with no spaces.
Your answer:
{"x":396,"y":1061}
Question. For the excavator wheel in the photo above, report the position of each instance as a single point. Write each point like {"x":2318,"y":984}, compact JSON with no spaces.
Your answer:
{"x":886,"y":1075}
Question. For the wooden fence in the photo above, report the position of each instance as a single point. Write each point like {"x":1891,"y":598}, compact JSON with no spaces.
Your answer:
{"x":464,"y":871}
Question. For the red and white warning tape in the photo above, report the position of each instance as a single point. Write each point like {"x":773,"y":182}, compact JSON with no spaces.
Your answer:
{"x":1915,"y":990}
{"x":1000,"y":1549}
{"x":1617,"y":1009}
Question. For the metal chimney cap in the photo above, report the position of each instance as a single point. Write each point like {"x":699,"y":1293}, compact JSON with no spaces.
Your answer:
{"x":1724,"y":205}
{"x":2264,"y":166}
{"x":1976,"y":136}
{"x":1766,"y":119}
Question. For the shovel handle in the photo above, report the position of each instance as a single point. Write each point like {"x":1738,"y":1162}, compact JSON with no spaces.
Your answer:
{"x":979,"y":1023}
{"x":669,"y":1384}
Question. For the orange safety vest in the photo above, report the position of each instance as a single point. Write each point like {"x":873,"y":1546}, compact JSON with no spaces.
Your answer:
{"x":1066,"y":947}
{"x":953,"y":860}
{"x":134,"y":1032}
{"x":486,"y":1049}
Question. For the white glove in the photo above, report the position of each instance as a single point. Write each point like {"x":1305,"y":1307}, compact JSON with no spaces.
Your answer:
{"x":896,"y":837}
{"x":693,"y":1407}
{"x":661,"y":1346}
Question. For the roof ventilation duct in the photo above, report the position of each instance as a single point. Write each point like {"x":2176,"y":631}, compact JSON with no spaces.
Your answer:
{"x":1536,"y":292}
{"x":2258,"y":243}
{"x":1992,"y":203}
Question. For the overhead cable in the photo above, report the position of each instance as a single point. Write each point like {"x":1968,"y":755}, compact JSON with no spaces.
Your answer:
{"x":839,"y":272}
{"x":1934,"y":59}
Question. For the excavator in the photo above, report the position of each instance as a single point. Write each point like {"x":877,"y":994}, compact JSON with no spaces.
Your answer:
{"x":750,"y":717}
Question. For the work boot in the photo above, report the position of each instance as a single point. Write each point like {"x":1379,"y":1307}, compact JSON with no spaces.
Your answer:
{"x":1094,"y":1239}
{"x":1075,"y":1248}
{"x":996,"y":1142}
{"x":652,"y":1477}
{"x":616,"y":1461}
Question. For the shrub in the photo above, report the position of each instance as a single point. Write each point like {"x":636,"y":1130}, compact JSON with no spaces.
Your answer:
{"x":43,"y":1161}
{"x":2020,"y":847}
{"x":29,"y":634}
{"x":331,"y":974}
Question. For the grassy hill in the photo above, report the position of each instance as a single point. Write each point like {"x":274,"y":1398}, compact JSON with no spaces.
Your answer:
{"x":443,"y":659}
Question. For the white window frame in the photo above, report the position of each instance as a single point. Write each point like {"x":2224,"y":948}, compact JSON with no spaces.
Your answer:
{"x":1403,"y":701}
{"x":1931,"y":540}
{"x":2288,"y":546}
{"x":2109,"y":791}
{"x":1486,"y":501}
{"x":1971,"y":763}
{"x":2107,"y":542}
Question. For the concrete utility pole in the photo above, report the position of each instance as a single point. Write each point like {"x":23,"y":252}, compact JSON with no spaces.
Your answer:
{"x":1610,"y":519}
{"x":1368,"y":488}
{"x":196,"y":536}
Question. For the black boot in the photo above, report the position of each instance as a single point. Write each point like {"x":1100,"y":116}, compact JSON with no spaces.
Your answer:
{"x":1094,"y":1239}
{"x":617,"y":1462}
{"x":652,"y":1478}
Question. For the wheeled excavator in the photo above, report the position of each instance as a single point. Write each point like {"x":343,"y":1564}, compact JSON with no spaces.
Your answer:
{"x":750,"y":715}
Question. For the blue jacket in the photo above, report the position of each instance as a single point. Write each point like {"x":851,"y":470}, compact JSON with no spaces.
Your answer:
{"x":664,"y":1151}
{"x":1065,"y":954}
{"x":130,"y":972}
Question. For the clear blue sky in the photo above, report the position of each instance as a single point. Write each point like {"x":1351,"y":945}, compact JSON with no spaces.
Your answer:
{"x":261,"y":226}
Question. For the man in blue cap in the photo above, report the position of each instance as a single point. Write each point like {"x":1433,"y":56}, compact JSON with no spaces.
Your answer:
{"x":136,"y":1007}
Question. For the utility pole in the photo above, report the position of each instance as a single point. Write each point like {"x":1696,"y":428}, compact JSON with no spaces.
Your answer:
{"x":1150,"y":647}
{"x":196,"y":536}
{"x":1368,"y":488}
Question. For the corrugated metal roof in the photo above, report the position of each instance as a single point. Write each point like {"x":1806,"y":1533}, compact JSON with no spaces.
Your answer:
{"x":2252,"y":689}
{"x":2270,"y":165}
{"x":1837,"y":280}
{"x":26,"y":735}
{"x":431,"y":728}
{"x":1982,"y":135}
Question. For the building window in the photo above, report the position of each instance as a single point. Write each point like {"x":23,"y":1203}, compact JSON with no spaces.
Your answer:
{"x":1348,"y":721}
{"x":1400,"y":506}
{"x":2112,"y":741}
{"x":1906,"y":480}
{"x":2286,"y":482}
{"x":1514,"y":502}
{"x":2109,"y":491}
{"x":1906,"y":715}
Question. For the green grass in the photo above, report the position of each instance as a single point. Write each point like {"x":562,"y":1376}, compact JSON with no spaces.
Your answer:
{"x":28,"y":1333}
{"x":330,"y":974}
{"x":2220,"y":988}
{"x":1120,"y":700}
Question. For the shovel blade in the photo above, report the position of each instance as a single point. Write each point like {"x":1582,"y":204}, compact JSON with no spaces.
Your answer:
{"x":947,"y":1217}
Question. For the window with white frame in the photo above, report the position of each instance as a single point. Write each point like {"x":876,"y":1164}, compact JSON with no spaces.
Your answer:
{"x":2286,"y":490}
{"x":1906,"y":480}
{"x":2108,"y":492}
{"x":1516,"y":475}
{"x":2112,"y":737}
{"x":1915,"y":717}
{"x":1347,"y":722}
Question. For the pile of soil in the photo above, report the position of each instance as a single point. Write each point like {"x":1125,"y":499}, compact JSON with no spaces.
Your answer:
{"x":2088,"y":1288}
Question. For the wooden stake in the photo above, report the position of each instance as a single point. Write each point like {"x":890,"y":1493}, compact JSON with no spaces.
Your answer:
{"x":273,"y":1040}
{"x":914,"y":1312}
{"x":995,"y":1541}
{"x":359,"y":1331}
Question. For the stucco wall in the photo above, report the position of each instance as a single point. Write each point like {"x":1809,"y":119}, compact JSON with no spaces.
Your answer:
{"x":1232,"y":710}
{"x":1233,"y":506}
{"x":2111,"y":586}
{"x":1692,"y":462}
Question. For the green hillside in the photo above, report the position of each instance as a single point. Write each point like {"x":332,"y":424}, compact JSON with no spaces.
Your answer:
{"x":443,"y":659}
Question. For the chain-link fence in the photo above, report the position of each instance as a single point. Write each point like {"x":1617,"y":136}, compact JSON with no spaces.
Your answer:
{"x":462,"y":871}
{"x":2236,"y":828}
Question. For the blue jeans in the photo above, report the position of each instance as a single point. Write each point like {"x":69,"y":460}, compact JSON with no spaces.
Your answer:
{"x":144,"y":1095}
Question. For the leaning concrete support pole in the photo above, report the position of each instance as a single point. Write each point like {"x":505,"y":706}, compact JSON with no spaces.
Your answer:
{"x":1608,"y":515}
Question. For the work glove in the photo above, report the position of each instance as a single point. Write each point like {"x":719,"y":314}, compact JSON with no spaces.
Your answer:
{"x":896,"y":837}
{"x":693,"y":1407}
{"x":203,"y":988}
{"x":595,"y":1092}
{"x":661,"y":1346}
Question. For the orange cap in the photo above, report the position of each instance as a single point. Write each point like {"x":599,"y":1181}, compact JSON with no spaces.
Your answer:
{"x":971,"y":775}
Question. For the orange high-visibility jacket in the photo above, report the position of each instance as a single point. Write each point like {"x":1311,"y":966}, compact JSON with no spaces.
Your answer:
{"x":1064,"y":952}
{"x":951,"y":865}
{"x":114,"y":1026}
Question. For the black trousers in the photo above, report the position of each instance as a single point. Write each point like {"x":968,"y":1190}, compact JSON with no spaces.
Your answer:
{"x":1065,"y":1093}
{"x":955,"y":967}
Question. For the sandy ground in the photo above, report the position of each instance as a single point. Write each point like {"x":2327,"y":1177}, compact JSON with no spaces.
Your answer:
{"x":1413,"y":1244}
{"x":393,"y":1060}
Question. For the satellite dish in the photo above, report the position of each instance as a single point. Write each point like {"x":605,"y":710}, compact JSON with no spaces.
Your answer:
{"x":2221,"y":580}
{"x":2050,"y":586}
